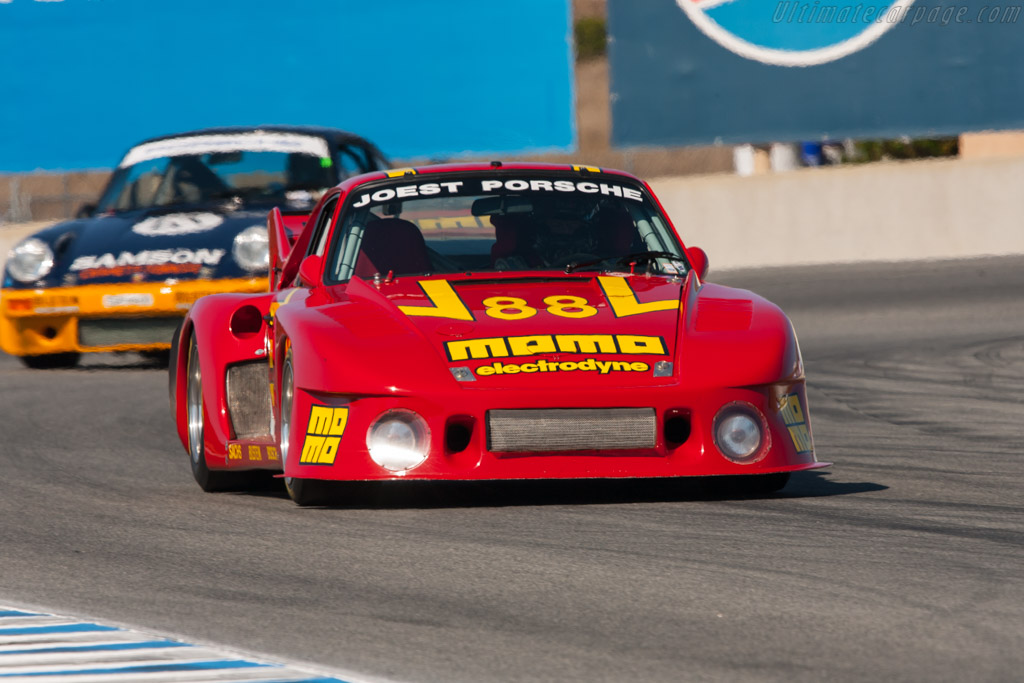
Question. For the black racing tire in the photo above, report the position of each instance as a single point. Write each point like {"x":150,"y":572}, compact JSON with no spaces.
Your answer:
{"x":303,"y":492}
{"x":208,"y":480}
{"x":52,"y":361}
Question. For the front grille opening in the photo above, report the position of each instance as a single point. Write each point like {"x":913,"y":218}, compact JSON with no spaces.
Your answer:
{"x":458,"y":433}
{"x":555,"y":430}
{"x":677,"y":428}
{"x":50,"y":333}
{"x":117,"y":331}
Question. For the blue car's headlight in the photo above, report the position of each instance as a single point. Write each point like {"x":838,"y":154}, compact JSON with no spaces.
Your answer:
{"x":30,"y":260}
{"x":252,"y":248}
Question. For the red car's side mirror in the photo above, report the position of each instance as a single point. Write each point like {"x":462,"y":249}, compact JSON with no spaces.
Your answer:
{"x":698,"y":260}
{"x":310,"y":270}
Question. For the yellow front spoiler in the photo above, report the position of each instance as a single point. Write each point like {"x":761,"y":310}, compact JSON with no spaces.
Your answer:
{"x":42,"y":321}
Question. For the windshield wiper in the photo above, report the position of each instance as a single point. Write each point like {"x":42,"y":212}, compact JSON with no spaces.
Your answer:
{"x":638,"y":257}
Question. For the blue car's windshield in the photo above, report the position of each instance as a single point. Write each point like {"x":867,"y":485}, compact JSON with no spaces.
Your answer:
{"x":272,"y":167}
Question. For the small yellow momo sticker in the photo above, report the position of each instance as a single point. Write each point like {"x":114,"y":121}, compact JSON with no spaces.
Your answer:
{"x":796,"y":423}
{"x":323,"y":435}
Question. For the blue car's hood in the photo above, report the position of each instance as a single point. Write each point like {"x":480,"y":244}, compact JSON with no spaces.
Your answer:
{"x":147,"y":245}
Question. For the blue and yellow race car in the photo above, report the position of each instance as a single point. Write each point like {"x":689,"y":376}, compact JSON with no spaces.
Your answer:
{"x":182,"y":216}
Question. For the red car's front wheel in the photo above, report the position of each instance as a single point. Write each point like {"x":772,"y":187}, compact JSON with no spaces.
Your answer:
{"x":302,"y":491}
{"x":207,"y":479}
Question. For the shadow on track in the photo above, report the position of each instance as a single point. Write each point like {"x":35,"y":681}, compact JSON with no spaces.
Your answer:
{"x":128,"y":360}
{"x":488,"y":494}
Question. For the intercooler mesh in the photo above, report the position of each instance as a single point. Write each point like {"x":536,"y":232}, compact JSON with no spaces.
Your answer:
{"x":117,"y":331}
{"x":249,"y":399}
{"x":570,"y":429}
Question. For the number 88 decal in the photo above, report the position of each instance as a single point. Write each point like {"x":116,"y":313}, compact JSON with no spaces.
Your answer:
{"x":514,"y":308}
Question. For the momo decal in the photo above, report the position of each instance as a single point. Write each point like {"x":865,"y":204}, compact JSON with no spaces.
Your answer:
{"x":532,"y":345}
{"x":586,"y":365}
{"x":796,"y":423}
{"x":323,"y":435}
{"x":793,"y":32}
{"x":177,"y":224}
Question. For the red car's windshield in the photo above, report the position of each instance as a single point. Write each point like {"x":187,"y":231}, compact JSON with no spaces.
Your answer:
{"x":500,"y":222}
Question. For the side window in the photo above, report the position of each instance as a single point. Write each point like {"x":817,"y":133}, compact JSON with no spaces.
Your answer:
{"x":351,"y":162}
{"x":322,"y":228}
{"x":354,"y":159}
{"x":377,"y":161}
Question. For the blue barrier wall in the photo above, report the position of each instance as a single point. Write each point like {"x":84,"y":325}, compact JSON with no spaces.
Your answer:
{"x":706,"y":71}
{"x":84,"y":79}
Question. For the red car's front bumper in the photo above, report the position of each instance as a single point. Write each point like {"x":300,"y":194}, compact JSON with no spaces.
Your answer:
{"x":786,"y":445}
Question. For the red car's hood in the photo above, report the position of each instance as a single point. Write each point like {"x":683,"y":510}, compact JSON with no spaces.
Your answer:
{"x":538,"y":331}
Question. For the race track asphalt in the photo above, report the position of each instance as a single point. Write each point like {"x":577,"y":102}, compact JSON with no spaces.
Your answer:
{"x":903,"y":562}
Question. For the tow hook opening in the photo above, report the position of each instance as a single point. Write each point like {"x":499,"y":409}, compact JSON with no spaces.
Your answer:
{"x":677,"y":427}
{"x":458,"y":433}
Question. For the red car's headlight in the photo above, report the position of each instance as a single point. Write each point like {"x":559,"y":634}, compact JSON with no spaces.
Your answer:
{"x":740,"y":432}
{"x":398,"y":440}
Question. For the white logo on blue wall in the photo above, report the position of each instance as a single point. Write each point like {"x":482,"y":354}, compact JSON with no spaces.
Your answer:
{"x":794,"y":32}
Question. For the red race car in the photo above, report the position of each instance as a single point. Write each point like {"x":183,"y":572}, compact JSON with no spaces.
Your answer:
{"x":488,"y":321}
